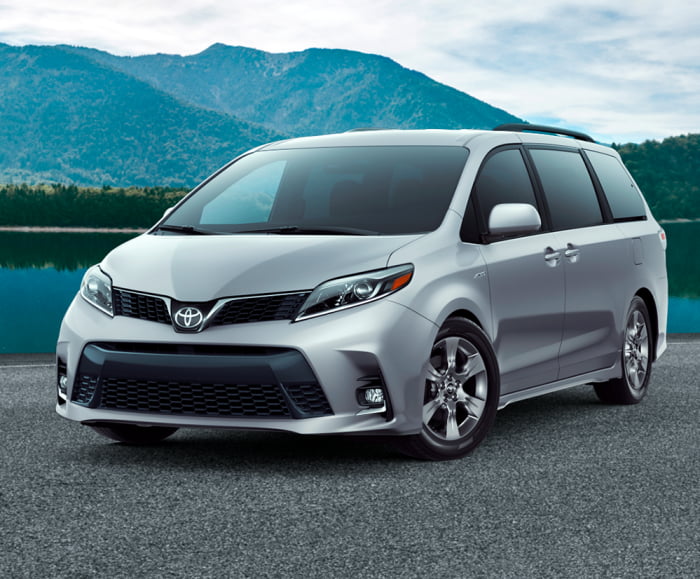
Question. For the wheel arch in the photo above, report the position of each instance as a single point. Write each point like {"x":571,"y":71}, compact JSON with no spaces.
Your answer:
{"x":467,"y":314}
{"x":650,"y":303}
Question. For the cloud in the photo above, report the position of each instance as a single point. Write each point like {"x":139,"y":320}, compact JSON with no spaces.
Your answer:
{"x":588,"y":65}
{"x":625,"y":71}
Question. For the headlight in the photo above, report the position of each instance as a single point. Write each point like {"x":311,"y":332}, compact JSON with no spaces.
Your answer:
{"x":346,"y":292}
{"x":96,"y":288}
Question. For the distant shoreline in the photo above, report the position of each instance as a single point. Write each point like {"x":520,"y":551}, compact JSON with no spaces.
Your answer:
{"x":46,"y":229}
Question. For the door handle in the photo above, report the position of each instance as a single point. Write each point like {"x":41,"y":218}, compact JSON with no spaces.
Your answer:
{"x":572,"y":252}
{"x":552,"y":257}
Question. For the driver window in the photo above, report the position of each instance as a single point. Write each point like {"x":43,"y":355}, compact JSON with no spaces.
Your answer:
{"x":503,"y":178}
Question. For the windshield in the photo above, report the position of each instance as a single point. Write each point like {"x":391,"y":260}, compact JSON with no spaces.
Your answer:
{"x":339,"y":190}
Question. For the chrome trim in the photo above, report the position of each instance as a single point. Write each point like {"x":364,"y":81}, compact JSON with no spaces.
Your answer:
{"x":216,"y":308}
{"x":376,"y":410}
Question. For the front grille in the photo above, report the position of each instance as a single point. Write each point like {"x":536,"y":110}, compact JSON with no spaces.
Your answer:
{"x":141,"y":306}
{"x":237,"y":311}
{"x":260,"y":309}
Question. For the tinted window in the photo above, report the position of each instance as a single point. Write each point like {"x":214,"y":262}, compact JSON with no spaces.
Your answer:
{"x":503,"y":179}
{"x":387,"y":190}
{"x":470,"y":228}
{"x":623,"y":197}
{"x":570,"y":194}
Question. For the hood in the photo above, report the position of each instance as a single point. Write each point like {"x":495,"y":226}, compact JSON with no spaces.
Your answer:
{"x":207,"y":267}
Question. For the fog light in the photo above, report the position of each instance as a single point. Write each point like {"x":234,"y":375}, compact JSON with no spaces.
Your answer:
{"x":372,"y":397}
{"x":63,"y":386}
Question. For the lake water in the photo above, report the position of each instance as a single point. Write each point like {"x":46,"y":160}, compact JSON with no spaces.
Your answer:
{"x":41,"y":272}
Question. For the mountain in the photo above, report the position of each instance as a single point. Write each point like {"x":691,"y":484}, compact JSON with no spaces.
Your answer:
{"x":80,"y":115}
{"x":66,"y":117}
{"x":310,"y":92}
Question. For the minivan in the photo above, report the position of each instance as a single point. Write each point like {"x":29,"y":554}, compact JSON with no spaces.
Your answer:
{"x":404,"y":284}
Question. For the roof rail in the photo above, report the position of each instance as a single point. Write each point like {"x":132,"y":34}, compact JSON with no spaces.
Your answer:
{"x":363,"y":129}
{"x":522,"y":127}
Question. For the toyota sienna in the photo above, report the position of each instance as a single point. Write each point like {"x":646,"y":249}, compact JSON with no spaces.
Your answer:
{"x":406,"y":284}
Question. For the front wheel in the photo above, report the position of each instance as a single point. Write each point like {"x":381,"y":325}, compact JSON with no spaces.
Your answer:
{"x":460,"y":388}
{"x":133,"y":433}
{"x":637,"y":352}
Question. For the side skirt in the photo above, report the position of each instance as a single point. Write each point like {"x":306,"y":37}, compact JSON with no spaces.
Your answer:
{"x":602,"y":375}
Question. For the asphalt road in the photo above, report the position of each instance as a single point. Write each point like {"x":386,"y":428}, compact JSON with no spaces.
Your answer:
{"x":563,"y":487}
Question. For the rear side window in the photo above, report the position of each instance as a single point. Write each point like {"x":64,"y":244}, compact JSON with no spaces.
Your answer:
{"x":568,"y":188}
{"x":625,"y":201}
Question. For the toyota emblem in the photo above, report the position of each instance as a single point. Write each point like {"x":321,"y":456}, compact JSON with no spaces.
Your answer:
{"x":189,"y":318}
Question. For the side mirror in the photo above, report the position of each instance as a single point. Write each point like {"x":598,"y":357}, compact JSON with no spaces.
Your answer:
{"x":513,"y":218}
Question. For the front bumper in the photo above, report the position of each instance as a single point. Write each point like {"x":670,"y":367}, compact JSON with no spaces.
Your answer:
{"x":300,"y":377}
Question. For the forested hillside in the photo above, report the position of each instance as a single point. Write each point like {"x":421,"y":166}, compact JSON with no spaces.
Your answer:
{"x":67,"y":118}
{"x":310,"y":92}
{"x":72,"y":206}
{"x":81,"y":116}
{"x":668,"y":173}
{"x":87,"y":118}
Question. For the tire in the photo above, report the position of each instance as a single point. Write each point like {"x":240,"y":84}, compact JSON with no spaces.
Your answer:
{"x":637,"y":353}
{"x":461,"y":387}
{"x":134,"y":434}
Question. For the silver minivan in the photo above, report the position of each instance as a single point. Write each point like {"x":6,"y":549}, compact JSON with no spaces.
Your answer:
{"x":406,"y":284}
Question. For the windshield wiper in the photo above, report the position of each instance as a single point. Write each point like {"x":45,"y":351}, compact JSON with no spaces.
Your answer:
{"x":310,"y":229}
{"x":185,"y":229}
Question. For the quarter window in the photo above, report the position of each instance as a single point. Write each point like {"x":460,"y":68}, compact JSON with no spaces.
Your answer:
{"x":625,"y":201}
{"x":568,"y":188}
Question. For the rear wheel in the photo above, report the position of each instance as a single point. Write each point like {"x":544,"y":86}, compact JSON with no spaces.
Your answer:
{"x":637,"y":352}
{"x":460,"y":394}
{"x":133,"y":433}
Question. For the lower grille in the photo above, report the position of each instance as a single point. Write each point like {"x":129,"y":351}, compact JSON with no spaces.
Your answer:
{"x":196,"y":399}
{"x":84,"y":390}
{"x":193,"y":398}
{"x":187,"y":381}
{"x":309,"y":399}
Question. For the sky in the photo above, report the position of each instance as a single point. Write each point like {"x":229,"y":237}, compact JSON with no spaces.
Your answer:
{"x":623,"y":71}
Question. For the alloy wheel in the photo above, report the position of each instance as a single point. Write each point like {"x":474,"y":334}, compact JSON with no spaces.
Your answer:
{"x":456,"y":389}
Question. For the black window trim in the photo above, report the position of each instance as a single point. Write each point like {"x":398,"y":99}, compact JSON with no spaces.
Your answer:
{"x":601,"y":192}
{"x":482,"y":234}
{"x":602,"y":200}
{"x":542,"y":205}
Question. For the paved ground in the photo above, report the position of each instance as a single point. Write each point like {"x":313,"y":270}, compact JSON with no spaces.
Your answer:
{"x":563,"y":487}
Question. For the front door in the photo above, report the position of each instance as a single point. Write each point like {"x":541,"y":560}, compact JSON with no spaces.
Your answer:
{"x":526,"y":277}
